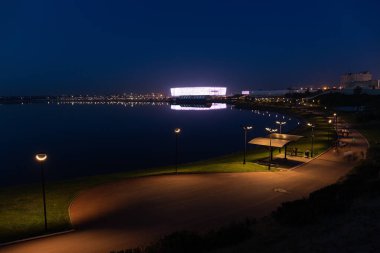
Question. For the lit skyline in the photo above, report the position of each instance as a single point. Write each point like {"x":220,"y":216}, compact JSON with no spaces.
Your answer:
{"x":65,"y":47}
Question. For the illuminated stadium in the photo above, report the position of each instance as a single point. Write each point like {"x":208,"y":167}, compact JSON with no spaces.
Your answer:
{"x":198,"y":91}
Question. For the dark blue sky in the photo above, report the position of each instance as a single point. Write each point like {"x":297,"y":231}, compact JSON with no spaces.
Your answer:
{"x":64,"y":47}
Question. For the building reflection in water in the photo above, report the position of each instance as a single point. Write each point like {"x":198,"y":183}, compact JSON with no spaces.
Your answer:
{"x":198,"y":107}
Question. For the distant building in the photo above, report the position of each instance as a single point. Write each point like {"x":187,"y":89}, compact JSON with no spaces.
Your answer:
{"x":361,"y":79}
{"x":198,"y":91}
{"x":356,"y":77}
{"x":265,"y":93}
{"x":186,"y":94}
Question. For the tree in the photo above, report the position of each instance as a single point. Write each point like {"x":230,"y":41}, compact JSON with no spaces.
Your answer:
{"x":358,"y":90}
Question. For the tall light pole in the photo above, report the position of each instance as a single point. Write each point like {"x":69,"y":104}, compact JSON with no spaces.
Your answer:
{"x":246,"y":129}
{"x":177,"y":131}
{"x":312,"y":138}
{"x":336,"y":130}
{"x":280,"y":123}
{"x":41,"y":158}
{"x":329,"y":134}
{"x":270,"y":131}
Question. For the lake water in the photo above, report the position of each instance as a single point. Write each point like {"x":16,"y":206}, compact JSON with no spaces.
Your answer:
{"x":89,"y":139}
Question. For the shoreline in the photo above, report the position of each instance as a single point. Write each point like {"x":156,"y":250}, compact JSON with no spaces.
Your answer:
{"x":296,"y":191}
{"x":75,"y":186}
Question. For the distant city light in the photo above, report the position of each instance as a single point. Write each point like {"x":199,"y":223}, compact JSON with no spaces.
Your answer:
{"x":198,"y":91}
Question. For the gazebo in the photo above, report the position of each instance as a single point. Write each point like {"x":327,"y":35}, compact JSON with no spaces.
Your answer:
{"x":275,"y":140}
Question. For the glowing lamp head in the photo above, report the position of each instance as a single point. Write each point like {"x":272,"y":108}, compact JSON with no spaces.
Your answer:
{"x":310,"y":125}
{"x":41,"y":157}
{"x":247,"y":127}
{"x":271,"y":130}
{"x":334,"y":114}
{"x":177,"y":130}
{"x":330,"y":121}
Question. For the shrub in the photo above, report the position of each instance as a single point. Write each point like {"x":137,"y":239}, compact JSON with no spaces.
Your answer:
{"x":336,"y":198}
{"x":186,"y":241}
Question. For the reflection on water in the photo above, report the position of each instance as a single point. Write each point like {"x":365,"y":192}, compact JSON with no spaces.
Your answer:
{"x":104,"y":137}
{"x":198,"y":107}
{"x":177,"y":107}
{"x":122,"y":103}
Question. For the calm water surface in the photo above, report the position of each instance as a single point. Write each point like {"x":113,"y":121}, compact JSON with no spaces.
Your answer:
{"x":83,"y":140}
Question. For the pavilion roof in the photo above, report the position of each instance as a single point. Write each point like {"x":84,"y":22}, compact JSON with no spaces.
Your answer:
{"x":263,"y":141}
{"x":289,"y":137}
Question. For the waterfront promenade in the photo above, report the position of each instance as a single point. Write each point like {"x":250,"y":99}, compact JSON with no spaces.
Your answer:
{"x":137,"y":211}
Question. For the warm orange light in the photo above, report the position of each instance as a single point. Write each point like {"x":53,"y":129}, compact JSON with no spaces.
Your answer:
{"x":271,"y":130}
{"x":41,"y":157}
{"x":177,"y":130}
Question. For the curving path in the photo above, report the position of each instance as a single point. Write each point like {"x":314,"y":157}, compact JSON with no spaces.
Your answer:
{"x":137,"y":211}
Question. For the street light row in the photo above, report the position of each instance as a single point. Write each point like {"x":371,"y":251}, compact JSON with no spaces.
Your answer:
{"x":41,"y":158}
{"x":274,"y":130}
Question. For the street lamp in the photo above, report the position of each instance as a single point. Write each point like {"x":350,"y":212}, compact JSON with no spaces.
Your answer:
{"x":328,"y":135}
{"x":280,"y":123}
{"x":246,"y":129}
{"x":336,"y":129}
{"x":312,"y":138}
{"x":41,"y":158}
{"x":270,"y":131}
{"x":177,"y":131}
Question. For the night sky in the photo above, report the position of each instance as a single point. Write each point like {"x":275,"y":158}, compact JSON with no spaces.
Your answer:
{"x":95,"y":47}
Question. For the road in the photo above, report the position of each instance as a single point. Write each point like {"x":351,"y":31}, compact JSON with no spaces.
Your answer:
{"x":138,"y":211}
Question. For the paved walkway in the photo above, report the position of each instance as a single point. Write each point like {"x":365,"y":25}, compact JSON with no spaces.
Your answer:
{"x":137,"y":211}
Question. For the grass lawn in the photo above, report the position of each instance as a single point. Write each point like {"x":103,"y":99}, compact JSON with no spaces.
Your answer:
{"x":21,"y":206}
{"x":369,"y":128}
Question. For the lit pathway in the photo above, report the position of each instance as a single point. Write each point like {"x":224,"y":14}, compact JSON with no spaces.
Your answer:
{"x":137,"y":211}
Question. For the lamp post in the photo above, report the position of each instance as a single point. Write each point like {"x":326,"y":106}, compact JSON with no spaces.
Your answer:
{"x":336,"y":130}
{"x":328,"y":135}
{"x":336,"y":121}
{"x":270,"y":131}
{"x":41,"y":158}
{"x":177,"y":131}
{"x":246,"y":129}
{"x":280,"y":123}
{"x":312,"y":138}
